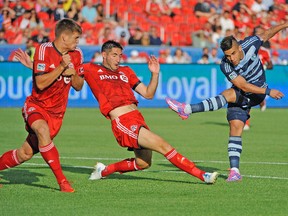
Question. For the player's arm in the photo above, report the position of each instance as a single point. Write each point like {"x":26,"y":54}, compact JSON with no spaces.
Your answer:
{"x":269,"y":65}
{"x":43,"y":80}
{"x":241,"y":83}
{"x":24,"y":58}
{"x":77,"y":82}
{"x":148,"y":92}
{"x":269,"y":33}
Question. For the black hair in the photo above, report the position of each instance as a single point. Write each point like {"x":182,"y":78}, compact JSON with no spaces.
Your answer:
{"x":108,"y":45}
{"x":227,"y":43}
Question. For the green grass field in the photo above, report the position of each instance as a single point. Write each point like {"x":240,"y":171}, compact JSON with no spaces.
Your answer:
{"x":86,"y":137}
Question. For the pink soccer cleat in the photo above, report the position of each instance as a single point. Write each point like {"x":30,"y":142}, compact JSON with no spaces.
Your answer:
{"x":177,"y":107}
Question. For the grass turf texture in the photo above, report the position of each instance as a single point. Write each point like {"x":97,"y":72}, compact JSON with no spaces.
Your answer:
{"x":86,"y":137}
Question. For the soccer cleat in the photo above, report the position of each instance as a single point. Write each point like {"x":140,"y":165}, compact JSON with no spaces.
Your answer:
{"x":234,"y":176}
{"x":96,"y":174}
{"x":177,"y":107}
{"x":66,"y":187}
{"x":210,"y":178}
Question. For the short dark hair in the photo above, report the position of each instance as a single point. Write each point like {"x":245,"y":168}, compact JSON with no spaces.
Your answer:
{"x":67,"y":25}
{"x":108,"y":45}
{"x":227,"y":43}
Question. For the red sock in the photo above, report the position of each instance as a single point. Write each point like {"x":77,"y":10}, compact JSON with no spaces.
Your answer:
{"x":184,"y":164}
{"x":9,"y":160}
{"x":127,"y":165}
{"x":51,"y":156}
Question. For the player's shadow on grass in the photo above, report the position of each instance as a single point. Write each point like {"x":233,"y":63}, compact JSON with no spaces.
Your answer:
{"x":216,"y":123}
{"x":205,"y":168}
{"x":22,"y":176}
{"x":126,"y":176}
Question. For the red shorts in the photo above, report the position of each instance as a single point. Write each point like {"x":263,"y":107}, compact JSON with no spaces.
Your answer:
{"x":126,"y":128}
{"x":31,"y":112}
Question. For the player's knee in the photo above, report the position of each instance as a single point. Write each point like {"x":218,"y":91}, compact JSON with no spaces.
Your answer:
{"x":24,"y":155}
{"x":143,"y":164}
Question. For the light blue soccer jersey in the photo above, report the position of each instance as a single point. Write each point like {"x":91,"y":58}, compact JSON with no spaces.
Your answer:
{"x":250,"y":66}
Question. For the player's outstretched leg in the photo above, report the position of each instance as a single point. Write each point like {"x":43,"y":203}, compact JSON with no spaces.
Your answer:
{"x":189,"y":167}
{"x":177,"y":107}
{"x":101,"y":171}
{"x":209,"y":104}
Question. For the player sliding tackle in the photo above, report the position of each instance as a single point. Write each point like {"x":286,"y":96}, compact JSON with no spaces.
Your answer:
{"x":242,"y":67}
{"x":113,"y":85}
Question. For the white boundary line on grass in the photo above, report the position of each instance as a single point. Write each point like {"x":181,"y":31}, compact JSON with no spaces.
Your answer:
{"x":196,"y":161}
{"x":88,"y":167}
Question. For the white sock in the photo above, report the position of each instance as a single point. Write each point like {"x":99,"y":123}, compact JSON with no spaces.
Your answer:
{"x":188,"y":109}
{"x":235,"y":169}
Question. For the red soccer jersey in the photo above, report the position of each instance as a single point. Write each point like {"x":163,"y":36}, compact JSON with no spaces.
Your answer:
{"x":54,"y":98}
{"x":111,"y":88}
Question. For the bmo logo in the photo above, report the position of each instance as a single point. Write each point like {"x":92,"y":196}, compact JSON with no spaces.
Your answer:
{"x":111,"y":77}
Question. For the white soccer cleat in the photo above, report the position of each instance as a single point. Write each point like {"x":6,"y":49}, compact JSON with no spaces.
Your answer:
{"x":96,"y":174}
{"x":210,"y":178}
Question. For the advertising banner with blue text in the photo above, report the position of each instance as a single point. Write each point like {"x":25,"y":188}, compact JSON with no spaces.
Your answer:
{"x":190,"y":83}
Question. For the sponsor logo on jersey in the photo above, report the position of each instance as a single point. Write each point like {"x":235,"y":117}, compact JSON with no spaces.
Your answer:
{"x":100,"y":71}
{"x":233,"y":75}
{"x":111,"y":77}
{"x":133,"y":128}
{"x":41,"y":67}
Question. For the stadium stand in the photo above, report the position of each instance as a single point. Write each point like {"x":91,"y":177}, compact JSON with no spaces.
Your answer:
{"x":178,"y":22}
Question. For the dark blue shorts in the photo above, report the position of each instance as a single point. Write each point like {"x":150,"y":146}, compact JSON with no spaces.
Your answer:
{"x":241,"y":108}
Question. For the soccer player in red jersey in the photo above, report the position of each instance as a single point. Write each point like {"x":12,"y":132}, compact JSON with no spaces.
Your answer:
{"x":113,"y":86}
{"x":54,"y":72}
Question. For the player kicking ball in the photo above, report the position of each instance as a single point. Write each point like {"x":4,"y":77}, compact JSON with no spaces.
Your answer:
{"x":243,"y":68}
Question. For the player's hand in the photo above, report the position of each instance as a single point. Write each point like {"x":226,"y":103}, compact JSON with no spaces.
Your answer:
{"x":69,"y":72}
{"x":66,"y":60}
{"x":153,"y":64}
{"x":276,"y":94}
{"x":24,"y":58}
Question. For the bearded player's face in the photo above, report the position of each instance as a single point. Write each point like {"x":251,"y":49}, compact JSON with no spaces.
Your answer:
{"x":112,"y":58}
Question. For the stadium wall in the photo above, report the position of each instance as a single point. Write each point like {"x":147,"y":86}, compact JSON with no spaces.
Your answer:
{"x":88,"y":51}
{"x":187,"y":83}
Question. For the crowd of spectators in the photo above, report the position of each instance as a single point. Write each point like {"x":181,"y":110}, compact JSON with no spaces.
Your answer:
{"x":195,"y":23}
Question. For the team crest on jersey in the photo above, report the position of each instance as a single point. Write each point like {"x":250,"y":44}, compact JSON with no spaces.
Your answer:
{"x":41,"y":67}
{"x":31,"y":109}
{"x":123,"y":77}
{"x":81,"y":70}
{"x":233,"y":75}
{"x":133,"y":128}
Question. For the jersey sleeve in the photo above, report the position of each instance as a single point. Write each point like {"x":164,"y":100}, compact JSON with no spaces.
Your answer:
{"x":134,"y":81}
{"x":79,"y":67}
{"x":255,"y":40}
{"x":41,"y":61}
{"x":228,"y":71}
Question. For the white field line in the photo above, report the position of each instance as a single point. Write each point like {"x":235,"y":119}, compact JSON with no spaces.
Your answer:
{"x":116,"y":159}
{"x":196,"y":161}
